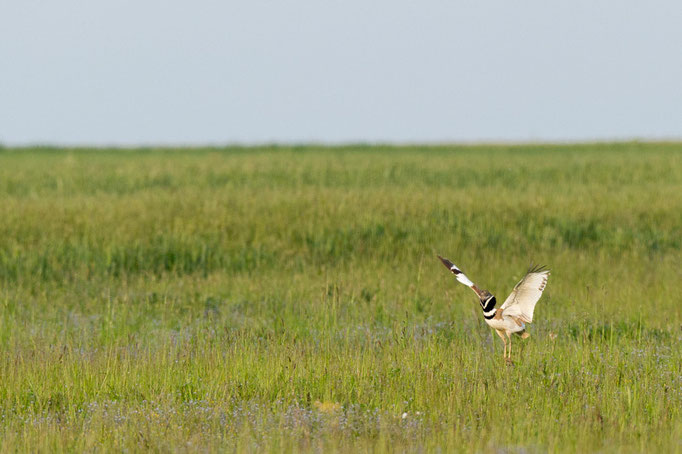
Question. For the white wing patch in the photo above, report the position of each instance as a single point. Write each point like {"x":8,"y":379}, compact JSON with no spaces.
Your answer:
{"x":521,"y":302}
{"x":461,"y":277}
{"x":457,"y":272}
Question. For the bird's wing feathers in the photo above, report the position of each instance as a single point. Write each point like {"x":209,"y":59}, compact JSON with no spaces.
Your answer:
{"x":521,"y":302}
{"x":457,"y":272}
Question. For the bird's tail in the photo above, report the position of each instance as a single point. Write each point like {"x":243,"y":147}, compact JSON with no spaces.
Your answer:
{"x":461,"y":277}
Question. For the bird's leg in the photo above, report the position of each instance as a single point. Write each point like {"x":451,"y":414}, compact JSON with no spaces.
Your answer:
{"x":501,"y":334}
{"x":509,"y":360}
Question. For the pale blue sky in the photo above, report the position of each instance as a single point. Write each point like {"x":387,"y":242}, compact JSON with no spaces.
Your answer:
{"x":181,"y":72}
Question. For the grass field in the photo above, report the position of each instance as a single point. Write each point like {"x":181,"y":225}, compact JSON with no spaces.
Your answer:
{"x":284,"y":299}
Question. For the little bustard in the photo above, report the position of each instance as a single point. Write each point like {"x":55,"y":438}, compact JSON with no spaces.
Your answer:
{"x":517,"y":309}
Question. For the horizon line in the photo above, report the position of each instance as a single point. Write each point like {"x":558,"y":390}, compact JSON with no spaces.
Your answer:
{"x":336,"y":144}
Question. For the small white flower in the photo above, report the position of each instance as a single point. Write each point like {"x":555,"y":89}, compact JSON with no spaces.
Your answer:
{"x":404,"y":415}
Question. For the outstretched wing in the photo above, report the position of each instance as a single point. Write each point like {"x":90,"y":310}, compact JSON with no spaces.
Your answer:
{"x":521,"y":302}
{"x":457,"y":272}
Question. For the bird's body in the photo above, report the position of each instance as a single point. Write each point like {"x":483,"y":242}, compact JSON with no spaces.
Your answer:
{"x":516,"y":311}
{"x":506,"y":324}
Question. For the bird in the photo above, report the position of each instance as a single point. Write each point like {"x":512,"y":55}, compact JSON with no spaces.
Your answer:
{"x":516,"y":311}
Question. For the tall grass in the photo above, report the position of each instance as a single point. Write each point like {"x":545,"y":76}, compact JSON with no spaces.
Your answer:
{"x":289,"y":298}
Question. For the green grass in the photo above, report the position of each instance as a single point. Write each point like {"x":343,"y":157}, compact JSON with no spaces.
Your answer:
{"x":290,"y":298}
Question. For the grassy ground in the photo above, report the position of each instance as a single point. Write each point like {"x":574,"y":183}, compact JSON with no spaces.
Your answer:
{"x":285,"y":299}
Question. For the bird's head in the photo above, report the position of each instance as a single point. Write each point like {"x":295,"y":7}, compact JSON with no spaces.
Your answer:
{"x":484,"y":296}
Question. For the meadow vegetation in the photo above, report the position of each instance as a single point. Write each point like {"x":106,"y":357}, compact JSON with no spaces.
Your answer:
{"x":280,"y":299}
